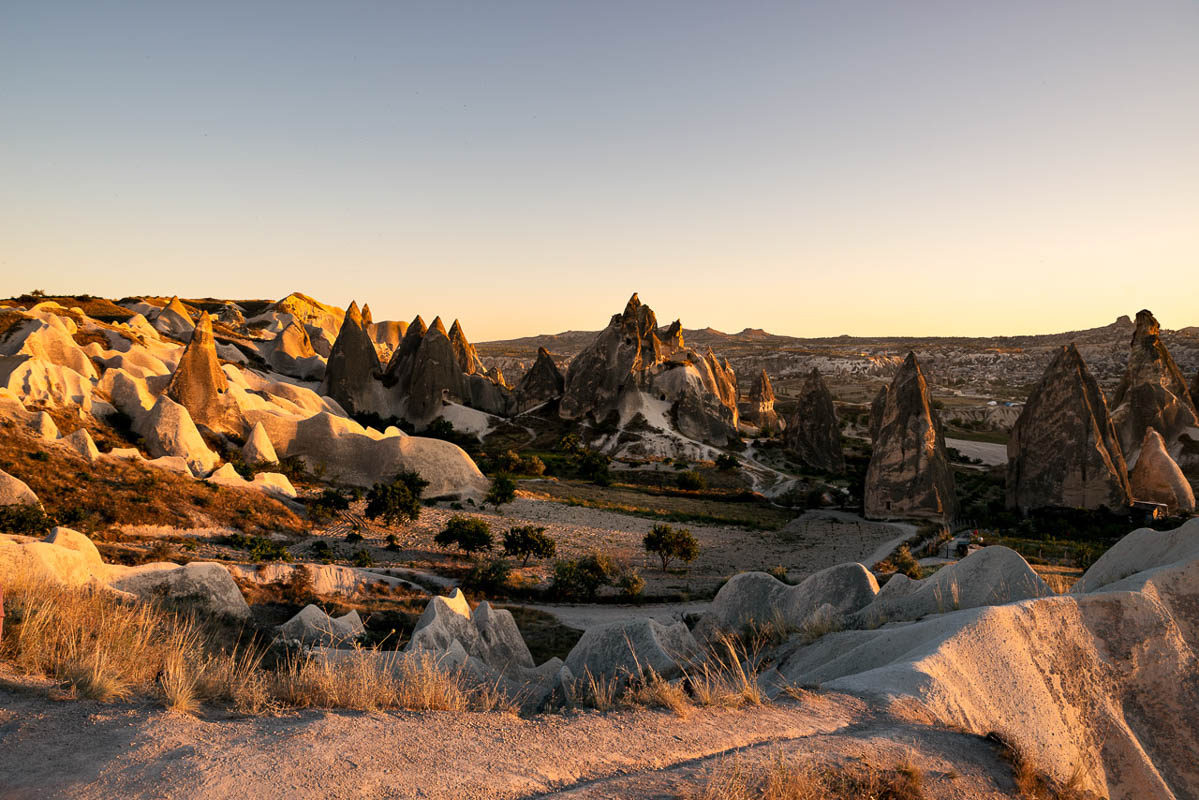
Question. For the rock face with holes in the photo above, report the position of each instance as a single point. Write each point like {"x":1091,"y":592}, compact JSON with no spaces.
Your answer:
{"x":698,"y":391}
{"x":541,"y":384}
{"x":909,"y":473}
{"x":813,"y":433}
{"x":1157,"y":478}
{"x":1064,"y":450}
{"x":352,"y":373}
{"x":1153,"y":394}
{"x":199,"y":385}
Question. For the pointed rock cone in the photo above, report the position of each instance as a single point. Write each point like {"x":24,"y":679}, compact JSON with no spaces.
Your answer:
{"x":353,"y":364}
{"x":464,"y":351}
{"x":542,"y":383}
{"x":399,"y":369}
{"x":199,"y":385}
{"x":759,"y":408}
{"x":909,"y":473}
{"x":1064,"y":451}
{"x":258,"y":448}
{"x":435,"y":375}
{"x":813,"y":432}
{"x":1158,"y":479}
{"x":1153,"y":393}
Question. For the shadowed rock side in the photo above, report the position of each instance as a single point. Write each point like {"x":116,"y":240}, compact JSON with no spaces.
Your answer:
{"x":909,"y":473}
{"x":292,"y":354}
{"x":813,"y":433}
{"x":628,"y":356}
{"x":1064,"y":451}
{"x":199,"y":385}
{"x":542,"y":383}
{"x":758,"y":410}
{"x":464,"y":351}
{"x":1157,"y":478}
{"x":353,"y":367}
{"x":1153,"y":393}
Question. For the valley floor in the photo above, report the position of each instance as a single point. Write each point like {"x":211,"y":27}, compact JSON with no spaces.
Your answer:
{"x":88,"y":751}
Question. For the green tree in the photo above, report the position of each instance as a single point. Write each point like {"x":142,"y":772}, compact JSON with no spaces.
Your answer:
{"x":503,"y":490}
{"x":727,"y":462}
{"x":669,"y":543}
{"x":468,"y":534}
{"x":527,"y":542}
{"x":581,"y":578}
{"x":692,"y":480}
{"x":397,"y":500}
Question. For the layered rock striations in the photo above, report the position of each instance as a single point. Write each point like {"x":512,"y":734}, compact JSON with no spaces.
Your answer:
{"x":1064,"y":450}
{"x":909,"y":472}
{"x":629,"y":358}
{"x":813,"y":433}
{"x":1153,"y":394}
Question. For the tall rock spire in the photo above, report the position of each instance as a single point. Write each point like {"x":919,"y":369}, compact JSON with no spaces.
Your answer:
{"x":199,"y":385}
{"x":813,"y":433}
{"x":909,"y":473}
{"x":1064,"y":450}
{"x":353,"y":364}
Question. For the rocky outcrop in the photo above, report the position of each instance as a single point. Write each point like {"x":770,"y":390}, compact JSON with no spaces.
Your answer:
{"x":813,"y":433}
{"x":1064,"y":450}
{"x":487,"y":633}
{"x":14,"y":491}
{"x":202,"y":585}
{"x":628,"y":356}
{"x":199,"y":385}
{"x":436,"y":375}
{"x":82,"y":444}
{"x":757,"y":412}
{"x":1157,"y":478}
{"x":464,"y":352}
{"x":629,"y":649}
{"x":542,"y":383}
{"x":1153,"y":393}
{"x":168,"y":430}
{"x":312,"y":626}
{"x":258,"y":448}
{"x":292,"y":354}
{"x":175,"y":320}
{"x":353,"y":369}
{"x":909,"y":472}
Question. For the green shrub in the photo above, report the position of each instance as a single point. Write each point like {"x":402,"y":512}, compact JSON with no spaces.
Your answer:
{"x":489,"y":577}
{"x":669,"y":543}
{"x":468,"y":534}
{"x":363,"y":558}
{"x":397,"y":500}
{"x":527,"y":542}
{"x":906,"y":563}
{"x":582,"y":578}
{"x":593,"y":466}
{"x":502,"y":490}
{"x":393,"y":542}
{"x":23,"y":519}
{"x":631,"y":584}
{"x":325,"y":505}
{"x":260,"y":548}
{"x":321,"y":551}
{"x":353,"y":537}
{"x":727,"y":462}
{"x":692,"y":480}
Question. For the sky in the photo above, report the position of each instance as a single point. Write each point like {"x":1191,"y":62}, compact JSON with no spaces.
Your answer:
{"x":955,"y":167}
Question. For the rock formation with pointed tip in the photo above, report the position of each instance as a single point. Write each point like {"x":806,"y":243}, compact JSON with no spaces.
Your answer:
{"x":1158,"y":479}
{"x":672,"y":340}
{"x":353,"y":365}
{"x":876,"y":410}
{"x":909,"y":473}
{"x":174,"y":320}
{"x":628,"y":356}
{"x":399,"y":369}
{"x":1064,"y":450}
{"x":813,"y":432}
{"x":464,"y":351}
{"x":542,"y":383}
{"x":292,"y":354}
{"x":436,"y":376}
{"x":1153,"y":393}
{"x":199,"y":385}
{"x":758,"y":409}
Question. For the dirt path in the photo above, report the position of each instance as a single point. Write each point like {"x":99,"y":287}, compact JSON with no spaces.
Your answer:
{"x":89,"y":751}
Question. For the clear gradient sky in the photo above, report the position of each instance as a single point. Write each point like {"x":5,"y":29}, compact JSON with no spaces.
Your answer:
{"x":811,"y":168}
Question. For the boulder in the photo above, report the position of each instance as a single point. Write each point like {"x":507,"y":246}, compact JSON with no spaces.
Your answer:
{"x":64,"y":565}
{"x":353,"y":367}
{"x":14,"y":491}
{"x":622,"y":650}
{"x":542,"y":383}
{"x":312,"y":626}
{"x":81,"y":443}
{"x":1141,"y":552}
{"x":488,"y":634}
{"x":258,"y":448}
{"x":74,"y":540}
{"x":1157,"y":478}
{"x":1152,"y":394}
{"x":168,"y":430}
{"x":1064,"y":450}
{"x":755,"y":599}
{"x":909,"y":473}
{"x":203,"y":585}
{"x":987,"y":577}
{"x":813,"y":433}
{"x":199,"y":385}
{"x":44,"y":426}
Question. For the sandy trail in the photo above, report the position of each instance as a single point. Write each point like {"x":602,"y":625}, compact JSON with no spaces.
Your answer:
{"x":89,"y":751}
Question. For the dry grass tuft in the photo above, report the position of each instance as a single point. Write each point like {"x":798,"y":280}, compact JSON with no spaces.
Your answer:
{"x":782,"y":780}
{"x":729,"y":675}
{"x":1035,"y":784}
